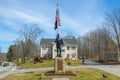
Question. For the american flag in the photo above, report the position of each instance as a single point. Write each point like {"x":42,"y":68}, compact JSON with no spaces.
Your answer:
{"x":57,"y":19}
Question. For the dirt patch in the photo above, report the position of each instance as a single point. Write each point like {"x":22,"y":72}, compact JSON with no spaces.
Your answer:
{"x":51,"y":74}
{"x":67,"y":73}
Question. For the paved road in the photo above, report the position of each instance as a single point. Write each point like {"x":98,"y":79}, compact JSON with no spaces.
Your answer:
{"x":89,"y":62}
{"x":4,"y":71}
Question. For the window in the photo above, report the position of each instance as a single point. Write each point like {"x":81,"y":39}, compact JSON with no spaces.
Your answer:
{"x":73,"y":47}
{"x":48,"y":46}
{"x":44,"y":47}
{"x":68,"y":47}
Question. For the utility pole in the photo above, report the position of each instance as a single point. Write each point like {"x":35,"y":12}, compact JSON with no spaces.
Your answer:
{"x":0,"y":52}
{"x":4,"y":56}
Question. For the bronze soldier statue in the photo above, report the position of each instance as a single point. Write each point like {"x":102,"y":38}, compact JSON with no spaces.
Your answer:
{"x":59,"y":44}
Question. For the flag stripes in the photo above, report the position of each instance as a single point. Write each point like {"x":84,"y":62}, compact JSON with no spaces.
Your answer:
{"x":57,"y":19}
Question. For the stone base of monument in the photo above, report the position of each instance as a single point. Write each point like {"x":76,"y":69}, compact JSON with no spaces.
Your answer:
{"x":59,"y":65}
{"x":59,"y":71}
{"x":51,"y":74}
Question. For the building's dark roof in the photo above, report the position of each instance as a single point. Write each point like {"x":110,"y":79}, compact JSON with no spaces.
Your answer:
{"x":50,"y":41}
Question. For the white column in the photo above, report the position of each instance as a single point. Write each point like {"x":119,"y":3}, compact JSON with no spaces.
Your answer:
{"x":41,"y":51}
{"x":76,"y":53}
{"x":53,"y":51}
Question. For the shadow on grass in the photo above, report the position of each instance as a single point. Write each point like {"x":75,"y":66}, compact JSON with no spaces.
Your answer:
{"x":28,"y":72}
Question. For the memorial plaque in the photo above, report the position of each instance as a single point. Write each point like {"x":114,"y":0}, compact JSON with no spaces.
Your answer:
{"x":59,"y":65}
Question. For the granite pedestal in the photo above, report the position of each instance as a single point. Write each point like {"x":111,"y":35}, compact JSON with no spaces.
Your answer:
{"x":59,"y":65}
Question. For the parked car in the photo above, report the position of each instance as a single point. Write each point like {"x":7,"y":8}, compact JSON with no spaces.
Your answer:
{"x":5,"y":64}
{"x":82,"y":57}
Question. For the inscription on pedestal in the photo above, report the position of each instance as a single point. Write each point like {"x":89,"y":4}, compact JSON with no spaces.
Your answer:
{"x":59,"y":65}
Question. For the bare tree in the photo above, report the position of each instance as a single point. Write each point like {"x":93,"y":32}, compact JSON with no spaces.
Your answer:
{"x":96,"y":44}
{"x":113,"y":21}
{"x":28,"y":36}
{"x":26,"y":45}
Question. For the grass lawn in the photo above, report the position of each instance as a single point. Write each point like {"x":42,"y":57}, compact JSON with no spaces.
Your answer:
{"x":93,"y":74}
{"x":73,"y":62}
{"x":44,"y":64}
{"x":84,"y":74}
{"x":47,"y":63}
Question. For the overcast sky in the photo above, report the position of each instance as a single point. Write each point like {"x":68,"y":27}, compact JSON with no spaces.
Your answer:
{"x":77,"y":16}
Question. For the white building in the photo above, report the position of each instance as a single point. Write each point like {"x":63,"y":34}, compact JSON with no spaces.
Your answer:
{"x":69,"y":50}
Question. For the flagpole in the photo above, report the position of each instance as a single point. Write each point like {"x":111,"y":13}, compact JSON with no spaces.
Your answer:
{"x":57,"y":31}
{"x":57,"y":20}
{"x":57,"y":8}
{"x":57,"y":5}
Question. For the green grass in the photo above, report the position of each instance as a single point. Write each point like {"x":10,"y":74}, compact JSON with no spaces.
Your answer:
{"x":83,"y":74}
{"x":25,"y":76}
{"x":44,"y":64}
{"x":93,"y":74}
{"x":73,"y":62}
{"x":47,"y":63}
